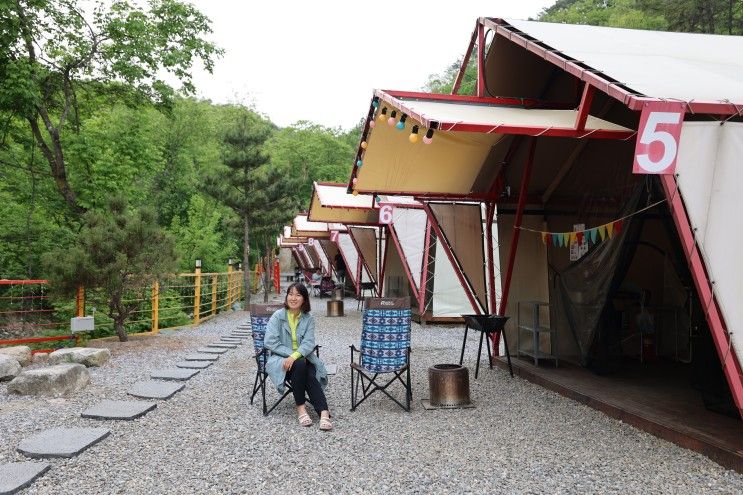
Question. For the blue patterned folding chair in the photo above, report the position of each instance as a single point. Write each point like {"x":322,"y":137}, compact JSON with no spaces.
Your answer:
{"x":385,"y":350}
{"x":259,"y":316}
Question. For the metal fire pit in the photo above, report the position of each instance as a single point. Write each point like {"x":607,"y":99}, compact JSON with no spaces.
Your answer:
{"x":449,"y":387}
{"x":335,"y":308}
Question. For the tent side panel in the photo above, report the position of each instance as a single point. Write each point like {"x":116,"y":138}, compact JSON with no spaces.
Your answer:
{"x":713,"y":214}
{"x":530,"y":275}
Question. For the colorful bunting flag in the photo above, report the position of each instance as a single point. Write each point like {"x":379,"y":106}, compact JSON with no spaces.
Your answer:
{"x":617,"y":227}
{"x":594,"y":233}
{"x":579,"y":237}
{"x":572,"y":238}
{"x":609,"y":230}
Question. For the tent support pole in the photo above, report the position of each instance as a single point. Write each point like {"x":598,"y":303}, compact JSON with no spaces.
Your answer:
{"x":465,"y":60}
{"x":489,"y":215}
{"x":516,"y":226}
{"x":447,"y":249}
{"x":424,"y":277}
{"x":408,"y":271}
{"x":720,"y":336}
{"x":383,"y":257}
{"x":480,"y":60}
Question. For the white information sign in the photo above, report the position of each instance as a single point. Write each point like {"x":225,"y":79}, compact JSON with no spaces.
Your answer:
{"x":577,"y":250}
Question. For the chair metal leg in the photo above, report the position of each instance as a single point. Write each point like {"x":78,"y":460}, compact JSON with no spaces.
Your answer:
{"x":464,"y":341}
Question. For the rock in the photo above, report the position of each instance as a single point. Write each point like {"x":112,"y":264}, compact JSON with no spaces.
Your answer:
{"x":54,"y":381}
{"x":88,"y":356}
{"x":21,"y":353}
{"x":9,"y":368}
{"x":40,"y":358}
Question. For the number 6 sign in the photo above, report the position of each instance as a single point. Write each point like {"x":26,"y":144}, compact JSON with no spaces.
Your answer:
{"x":385,"y":214}
{"x":658,"y":138}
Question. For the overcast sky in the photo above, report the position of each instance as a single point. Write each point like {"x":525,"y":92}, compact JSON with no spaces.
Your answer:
{"x":301,"y":60}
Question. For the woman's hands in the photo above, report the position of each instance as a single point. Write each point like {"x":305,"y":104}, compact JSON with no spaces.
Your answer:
{"x":288,"y":362}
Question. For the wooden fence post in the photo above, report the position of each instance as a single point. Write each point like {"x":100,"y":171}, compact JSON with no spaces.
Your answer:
{"x":229,"y":283}
{"x":215,"y":279}
{"x":155,"y":307}
{"x":80,"y":302}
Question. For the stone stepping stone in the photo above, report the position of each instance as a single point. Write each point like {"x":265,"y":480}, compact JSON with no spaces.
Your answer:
{"x":194,"y":365}
{"x":201,"y":357}
{"x":119,"y":409}
{"x":61,"y":442}
{"x":155,"y":389}
{"x":233,"y":340}
{"x":222,"y":345}
{"x":16,"y":476}
{"x":211,"y":350}
{"x":242,"y":332}
{"x":176,"y":374}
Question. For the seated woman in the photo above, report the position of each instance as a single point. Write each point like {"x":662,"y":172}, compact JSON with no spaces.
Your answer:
{"x":290,"y":336}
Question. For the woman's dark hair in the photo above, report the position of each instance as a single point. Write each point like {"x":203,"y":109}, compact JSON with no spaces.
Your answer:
{"x":303,"y":292}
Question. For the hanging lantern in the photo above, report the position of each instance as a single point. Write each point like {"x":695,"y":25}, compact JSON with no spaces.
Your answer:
{"x":401,"y":125}
{"x":428,"y":137}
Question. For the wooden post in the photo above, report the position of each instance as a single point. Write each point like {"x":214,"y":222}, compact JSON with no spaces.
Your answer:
{"x":215,"y":278}
{"x":229,"y":283}
{"x":80,"y":302}
{"x":155,"y":307}
{"x":197,"y":294}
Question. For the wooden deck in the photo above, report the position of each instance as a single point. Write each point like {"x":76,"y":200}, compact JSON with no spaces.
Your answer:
{"x":656,"y":398}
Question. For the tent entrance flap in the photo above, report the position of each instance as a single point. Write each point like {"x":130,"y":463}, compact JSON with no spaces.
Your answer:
{"x":461,"y":228}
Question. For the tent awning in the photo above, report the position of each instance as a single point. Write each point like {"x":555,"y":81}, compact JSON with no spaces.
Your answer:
{"x":302,"y":227}
{"x":466,"y":131}
{"x":332,"y":203}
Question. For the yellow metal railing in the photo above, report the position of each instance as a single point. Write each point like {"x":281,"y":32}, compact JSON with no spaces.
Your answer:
{"x":184,"y":299}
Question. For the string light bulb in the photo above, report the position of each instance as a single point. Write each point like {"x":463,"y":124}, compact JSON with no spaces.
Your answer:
{"x":401,"y":125}
{"x":383,"y":114}
{"x":354,"y":181}
{"x":393,"y":116}
{"x":359,"y":163}
{"x":355,"y":192}
{"x":375,"y":102}
{"x":413,"y":138}
{"x":372,"y":123}
{"x":428,"y":137}
{"x":363,"y":145}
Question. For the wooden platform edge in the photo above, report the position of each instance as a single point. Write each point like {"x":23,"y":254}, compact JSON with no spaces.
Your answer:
{"x":721,"y":455}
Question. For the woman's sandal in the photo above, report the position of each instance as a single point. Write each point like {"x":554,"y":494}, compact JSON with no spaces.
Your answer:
{"x":325,"y":424}
{"x":305,"y":420}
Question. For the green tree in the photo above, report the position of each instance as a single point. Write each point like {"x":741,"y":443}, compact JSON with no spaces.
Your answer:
{"x":312,"y":153}
{"x":616,"y":13}
{"x":119,"y":253}
{"x":236,"y":183}
{"x":50,"y":50}
{"x":200,"y":236}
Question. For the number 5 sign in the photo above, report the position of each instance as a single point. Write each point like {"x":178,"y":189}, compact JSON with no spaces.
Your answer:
{"x":658,"y":138}
{"x":385,"y":214}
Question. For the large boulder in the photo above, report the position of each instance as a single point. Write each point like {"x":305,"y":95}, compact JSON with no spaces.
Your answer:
{"x":88,"y":356}
{"x":54,"y":381}
{"x":21,"y":353}
{"x":9,"y":368}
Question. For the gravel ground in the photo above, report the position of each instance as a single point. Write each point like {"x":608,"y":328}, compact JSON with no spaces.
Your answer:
{"x":520,"y":438}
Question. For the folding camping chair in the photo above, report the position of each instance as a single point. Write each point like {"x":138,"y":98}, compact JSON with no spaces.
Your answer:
{"x":385,"y":349}
{"x":259,"y":316}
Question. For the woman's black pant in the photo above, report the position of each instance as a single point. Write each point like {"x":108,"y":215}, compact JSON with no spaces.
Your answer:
{"x":303,"y":380}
